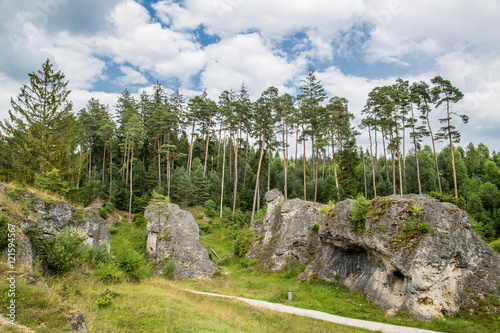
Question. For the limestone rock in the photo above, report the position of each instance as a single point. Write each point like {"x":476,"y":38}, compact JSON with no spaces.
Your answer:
{"x":174,"y":236}
{"x":285,"y":236}
{"x":52,"y":218}
{"x":415,"y":254}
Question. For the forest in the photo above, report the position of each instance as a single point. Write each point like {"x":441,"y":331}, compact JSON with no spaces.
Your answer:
{"x":225,"y":154}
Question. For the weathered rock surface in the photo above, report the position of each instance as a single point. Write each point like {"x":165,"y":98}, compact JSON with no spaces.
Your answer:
{"x":399,"y":264}
{"x":285,"y":236}
{"x":174,"y":236}
{"x":52,"y":218}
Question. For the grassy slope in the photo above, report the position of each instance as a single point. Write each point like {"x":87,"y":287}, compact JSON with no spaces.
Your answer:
{"x":159,"y":305}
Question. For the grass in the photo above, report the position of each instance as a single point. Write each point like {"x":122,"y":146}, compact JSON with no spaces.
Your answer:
{"x":161,"y":305}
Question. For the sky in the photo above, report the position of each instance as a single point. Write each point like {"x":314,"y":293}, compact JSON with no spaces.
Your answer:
{"x":104,"y":47}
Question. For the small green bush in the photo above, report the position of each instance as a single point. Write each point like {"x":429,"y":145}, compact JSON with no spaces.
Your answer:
{"x":105,"y":299}
{"x":97,"y":255}
{"x":132,"y":263}
{"x":240,"y":219}
{"x":64,"y":252}
{"x":496,"y":245}
{"x":169,"y":270}
{"x":359,"y":210}
{"x":260,"y":213}
{"x":109,"y":273}
{"x":210,"y":204}
{"x":242,"y":242}
{"x":113,"y":230}
{"x":103,"y":212}
{"x":315,"y":227}
{"x":52,"y":181}
{"x":109,"y":206}
{"x":226,"y":212}
{"x":139,"y":221}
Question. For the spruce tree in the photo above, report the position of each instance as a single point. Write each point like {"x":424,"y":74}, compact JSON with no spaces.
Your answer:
{"x":42,"y":132}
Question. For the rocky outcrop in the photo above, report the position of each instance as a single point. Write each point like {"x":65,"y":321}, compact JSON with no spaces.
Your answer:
{"x":413,"y":253}
{"x":173,"y":236}
{"x":286,"y":236}
{"x":50,"y":218}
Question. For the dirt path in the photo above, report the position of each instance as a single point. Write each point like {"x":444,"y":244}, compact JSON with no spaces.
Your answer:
{"x":370,"y":325}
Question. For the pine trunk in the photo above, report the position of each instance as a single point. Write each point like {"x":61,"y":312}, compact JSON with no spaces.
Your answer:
{"x":258,"y":176}
{"x":206,"y":145}
{"x":433,"y":146}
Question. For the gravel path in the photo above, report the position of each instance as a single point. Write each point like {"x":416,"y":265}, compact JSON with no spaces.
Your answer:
{"x":370,"y":325}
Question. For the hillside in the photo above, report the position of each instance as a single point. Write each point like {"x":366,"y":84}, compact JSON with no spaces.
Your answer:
{"x":115,"y":297}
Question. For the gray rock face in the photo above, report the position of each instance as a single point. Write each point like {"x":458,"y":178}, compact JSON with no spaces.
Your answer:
{"x":399,"y":264}
{"x":52,"y":218}
{"x":285,"y":236}
{"x":175,"y":237}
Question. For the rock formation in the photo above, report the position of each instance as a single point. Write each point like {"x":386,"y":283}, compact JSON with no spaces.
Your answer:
{"x":173,"y":236}
{"x":286,"y":235}
{"x":413,"y":253}
{"x":50,"y":218}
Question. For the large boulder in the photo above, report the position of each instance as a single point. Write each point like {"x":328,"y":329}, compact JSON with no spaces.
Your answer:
{"x":414,"y":253}
{"x":286,"y":235}
{"x":173,"y":236}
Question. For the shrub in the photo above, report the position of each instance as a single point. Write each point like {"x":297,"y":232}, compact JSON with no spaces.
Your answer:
{"x":169,"y":270}
{"x":240,"y":219}
{"x":260,"y":213}
{"x":460,"y":202}
{"x":226,"y":211}
{"x":105,"y":299}
{"x":139,"y":221}
{"x":52,"y":181}
{"x":496,"y":245}
{"x":103,"y":212}
{"x":359,"y":210}
{"x":210,"y":204}
{"x":315,"y":227}
{"x":242,"y":242}
{"x":97,"y":255}
{"x":131,"y":263}
{"x":108,"y":272}
{"x":64,"y":252}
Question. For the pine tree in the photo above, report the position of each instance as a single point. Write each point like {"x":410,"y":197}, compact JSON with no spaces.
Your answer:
{"x":42,"y":132}
{"x":445,"y":92}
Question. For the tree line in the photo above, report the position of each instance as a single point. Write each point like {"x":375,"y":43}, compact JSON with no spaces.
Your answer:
{"x":232,"y":150}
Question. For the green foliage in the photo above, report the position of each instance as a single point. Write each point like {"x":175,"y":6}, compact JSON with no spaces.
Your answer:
{"x":139,"y":221}
{"x":132,"y":263}
{"x":83,"y":195}
{"x":105,"y":299}
{"x":63,"y":253}
{"x":97,"y":255}
{"x":239,"y":219}
{"x":109,"y":273}
{"x":169,"y":270}
{"x":359,"y":210}
{"x":496,"y":245}
{"x":243,"y":240}
{"x":210,"y":208}
{"x":315,"y":227}
{"x":103,"y":212}
{"x":4,"y":222}
{"x":51,"y":180}
{"x":460,"y":202}
{"x":226,"y":211}
{"x":260,"y":213}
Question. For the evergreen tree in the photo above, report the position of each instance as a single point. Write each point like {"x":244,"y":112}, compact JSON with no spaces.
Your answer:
{"x":42,"y":132}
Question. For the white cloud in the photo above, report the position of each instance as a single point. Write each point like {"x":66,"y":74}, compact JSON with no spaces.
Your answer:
{"x":244,"y":59}
{"x":131,"y":77}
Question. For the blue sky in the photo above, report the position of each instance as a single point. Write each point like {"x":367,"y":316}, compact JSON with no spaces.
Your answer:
{"x":355,"y":45}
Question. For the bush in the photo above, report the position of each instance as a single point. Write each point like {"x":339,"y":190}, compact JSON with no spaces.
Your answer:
{"x":108,"y":272}
{"x":83,"y":195}
{"x":226,"y":212}
{"x":240,"y":219}
{"x":210,"y":205}
{"x":460,"y":202}
{"x":64,"y":252}
{"x":97,"y":255}
{"x":260,"y":213}
{"x":105,"y":299}
{"x":242,"y":242}
{"x":103,"y":212}
{"x":52,"y":181}
{"x":4,"y":223}
{"x":131,"y":263}
{"x":359,"y":210}
{"x":315,"y":227}
{"x":496,"y":245}
{"x":139,"y":221}
{"x":169,"y":270}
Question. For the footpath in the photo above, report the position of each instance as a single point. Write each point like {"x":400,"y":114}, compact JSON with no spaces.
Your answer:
{"x":370,"y":325}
